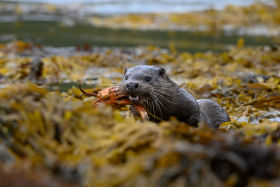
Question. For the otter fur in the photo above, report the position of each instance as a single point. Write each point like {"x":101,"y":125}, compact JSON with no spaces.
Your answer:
{"x":151,"y":87}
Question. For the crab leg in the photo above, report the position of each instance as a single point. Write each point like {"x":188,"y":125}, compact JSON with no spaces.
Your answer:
{"x":141,"y":110}
{"x":86,"y":93}
{"x":123,"y":102}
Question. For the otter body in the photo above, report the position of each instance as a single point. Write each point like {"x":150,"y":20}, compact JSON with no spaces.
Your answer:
{"x":163,"y":98}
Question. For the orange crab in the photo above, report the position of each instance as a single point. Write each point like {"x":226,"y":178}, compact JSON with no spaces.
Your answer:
{"x":113,"y":96}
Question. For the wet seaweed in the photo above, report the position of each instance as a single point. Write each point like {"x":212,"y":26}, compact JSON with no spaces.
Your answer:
{"x":60,"y":136}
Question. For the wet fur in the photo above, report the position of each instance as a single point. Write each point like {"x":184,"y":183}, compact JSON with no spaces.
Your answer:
{"x":212,"y":113}
{"x":163,"y":98}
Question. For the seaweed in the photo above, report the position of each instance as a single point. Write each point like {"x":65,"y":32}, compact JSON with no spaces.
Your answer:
{"x":59,"y":137}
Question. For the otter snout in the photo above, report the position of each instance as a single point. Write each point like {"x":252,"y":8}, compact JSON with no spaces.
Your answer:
{"x":132,"y":86}
{"x":132,"y":89}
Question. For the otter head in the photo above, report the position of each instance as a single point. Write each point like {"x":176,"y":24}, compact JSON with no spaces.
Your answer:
{"x":140,"y":82}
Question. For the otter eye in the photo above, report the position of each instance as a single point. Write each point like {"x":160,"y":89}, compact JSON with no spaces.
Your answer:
{"x":148,"y":79}
{"x":126,"y":77}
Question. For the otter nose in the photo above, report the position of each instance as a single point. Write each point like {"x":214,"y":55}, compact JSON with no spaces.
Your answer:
{"x":132,"y":85}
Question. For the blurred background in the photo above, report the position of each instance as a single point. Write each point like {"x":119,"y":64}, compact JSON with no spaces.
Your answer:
{"x":186,"y":25}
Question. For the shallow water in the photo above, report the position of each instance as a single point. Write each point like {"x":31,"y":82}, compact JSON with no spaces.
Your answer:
{"x":53,"y":34}
{"x":106,"y":7}
{"x":67,"y":26}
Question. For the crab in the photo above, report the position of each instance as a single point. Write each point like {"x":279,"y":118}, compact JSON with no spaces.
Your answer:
{"x":114,"y":97}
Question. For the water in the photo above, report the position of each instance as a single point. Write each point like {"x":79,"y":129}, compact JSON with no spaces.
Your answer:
{"x":53,"y":34}
{"x":107,"y":7}
{"x":66,"y":26}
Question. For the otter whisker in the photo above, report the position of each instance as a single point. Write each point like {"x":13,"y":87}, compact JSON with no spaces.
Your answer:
{"x":150,"y":104}
{"x":161,"y":97}
{"x":164,"y":98}
{"x":162,"y":92}
{"x":162,"y":105}
{"x":158,"y":100}
{"x":153,"y":107}
{"x":165,"y":89}
{"x":156,"y":103}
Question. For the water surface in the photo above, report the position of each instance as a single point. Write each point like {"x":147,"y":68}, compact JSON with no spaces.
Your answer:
{"x":106,"y":7}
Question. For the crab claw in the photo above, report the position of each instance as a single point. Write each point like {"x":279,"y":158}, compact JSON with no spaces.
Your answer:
{"x":141,"y":110}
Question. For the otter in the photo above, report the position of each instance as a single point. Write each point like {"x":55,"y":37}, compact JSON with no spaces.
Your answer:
{"x":151,"y":87}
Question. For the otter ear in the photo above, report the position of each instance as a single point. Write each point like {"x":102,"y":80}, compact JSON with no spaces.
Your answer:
{"x":125,"y":70}
{"x":161,"y":71}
